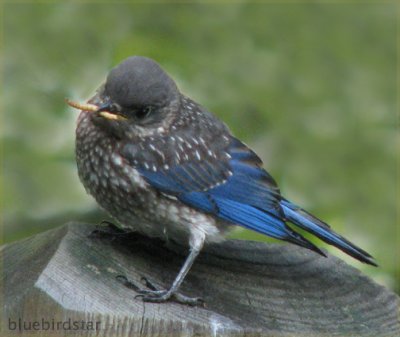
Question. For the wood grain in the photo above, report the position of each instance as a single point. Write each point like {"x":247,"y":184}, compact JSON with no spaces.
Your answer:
{"x":250,"y":289}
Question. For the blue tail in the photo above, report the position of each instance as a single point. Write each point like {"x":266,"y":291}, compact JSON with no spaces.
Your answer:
{"x":249,"y":217}
{"x":311,"y":224}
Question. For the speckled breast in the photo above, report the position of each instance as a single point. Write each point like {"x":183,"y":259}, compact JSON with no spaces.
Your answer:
{"x":118,"y":188}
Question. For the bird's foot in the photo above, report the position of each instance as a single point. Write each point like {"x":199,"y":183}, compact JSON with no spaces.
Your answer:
{"x":156,"y":295}
{"x":107,"y":229}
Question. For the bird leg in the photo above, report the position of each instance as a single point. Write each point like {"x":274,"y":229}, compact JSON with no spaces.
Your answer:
{"x":154,"y":294}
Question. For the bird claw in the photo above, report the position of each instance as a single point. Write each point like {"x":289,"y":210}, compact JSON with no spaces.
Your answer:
{"x":110,"y":230}
{"x":156,"y":295}
{"x":149,"y":284}
{"x":160,"y":296}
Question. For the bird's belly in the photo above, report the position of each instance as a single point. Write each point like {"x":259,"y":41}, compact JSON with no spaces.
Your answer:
{"x":121,"y":191}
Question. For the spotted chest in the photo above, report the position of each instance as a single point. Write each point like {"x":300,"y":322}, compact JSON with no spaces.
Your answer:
{"x":119,"y":188}
{"x":103,"y":172}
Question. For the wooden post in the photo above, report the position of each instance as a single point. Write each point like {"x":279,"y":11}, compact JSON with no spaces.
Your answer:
{"x":63,"y":281}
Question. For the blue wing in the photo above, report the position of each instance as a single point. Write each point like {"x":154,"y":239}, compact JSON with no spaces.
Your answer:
{"x":233,"y":186}
{"x":235,"y":189}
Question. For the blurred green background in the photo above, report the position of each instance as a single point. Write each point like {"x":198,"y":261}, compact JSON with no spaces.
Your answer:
{"x":312,"y":87}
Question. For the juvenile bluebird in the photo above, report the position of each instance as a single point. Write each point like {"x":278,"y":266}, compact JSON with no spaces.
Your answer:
{"x":162,"y":165}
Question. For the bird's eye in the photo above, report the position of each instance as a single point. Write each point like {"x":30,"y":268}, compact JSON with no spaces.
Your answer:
{"x":144,"y":112}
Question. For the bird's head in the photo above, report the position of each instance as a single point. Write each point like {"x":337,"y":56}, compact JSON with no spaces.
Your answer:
{"x":137,"y":98}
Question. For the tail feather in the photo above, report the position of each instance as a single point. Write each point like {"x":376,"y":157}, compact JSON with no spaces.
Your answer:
{"x":262,"y":222}
{"x":301,"y":241}
{"x":311,"y":224}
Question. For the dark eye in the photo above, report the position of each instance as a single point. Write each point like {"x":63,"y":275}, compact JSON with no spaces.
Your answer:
{"x":144,"y":112}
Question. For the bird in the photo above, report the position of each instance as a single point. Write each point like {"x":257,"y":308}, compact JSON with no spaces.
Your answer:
{"x":162,"y":165}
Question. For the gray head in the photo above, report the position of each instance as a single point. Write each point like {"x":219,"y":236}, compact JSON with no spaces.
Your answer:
{"x":139,"y":92}
{"x":139,"y":81}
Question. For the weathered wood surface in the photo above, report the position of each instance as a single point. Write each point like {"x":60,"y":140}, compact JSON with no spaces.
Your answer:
{"x":250,"y":289}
